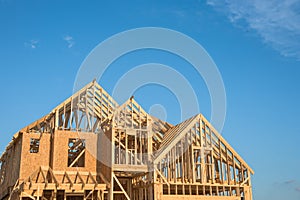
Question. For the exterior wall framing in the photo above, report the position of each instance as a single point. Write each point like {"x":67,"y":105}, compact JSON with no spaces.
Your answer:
{"x":127,"y":154}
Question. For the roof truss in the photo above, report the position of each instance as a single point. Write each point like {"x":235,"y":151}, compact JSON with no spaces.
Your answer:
{"x":197,"y":136}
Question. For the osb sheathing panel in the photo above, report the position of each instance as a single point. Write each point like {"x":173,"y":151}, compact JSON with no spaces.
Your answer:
{"x":12,"y":171}
{"x":104,"y":153}
{"x":30,"y":162}
{"x":60,"y":151}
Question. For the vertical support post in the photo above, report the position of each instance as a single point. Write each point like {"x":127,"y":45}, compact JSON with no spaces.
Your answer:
{"x":111,"y":190}
{"x":86,"y":121}
{"x":167,"y":166}
{"x":102,"y":195}
{"x":71,"y":114}
{"x":131,"y":104}
{"x":212,"y":167}
{"x":135,"y":147}
{"x":64,"y":120}
{"x":77,"y":113}
{"x":54,"y":193}
{"x":141,"y":149}
{"x":119,"y":147}
{"x":202,"y":149}
{"x":126,"y":148}
{"x":56,"y":119}
{"x":92,"y":120}
{"x":38,"y":193}
{"x":221,"y":163}
{"x":234,"y":170}
{"x":175,"y":167}
{"x":98,"y":195}
{"x":228,"y":167}
{"x":242,"y":171}
{"x":193,"y":164}
{"x":149,"y":139}
{"x":182,"y":162}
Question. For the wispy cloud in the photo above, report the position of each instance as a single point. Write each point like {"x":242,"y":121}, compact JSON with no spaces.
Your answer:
{"x":178,"y":13}
{"x":70,"y":41}
{"x":33,"y":44}
{"x":292,"y":183}
{"x":289,"y":182}
{"x":277,"y":22}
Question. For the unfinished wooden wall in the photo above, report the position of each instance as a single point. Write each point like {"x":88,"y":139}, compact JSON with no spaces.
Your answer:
{"x":31,"y":161}
{"x":60,"y":151}
{"x":10,"y":167}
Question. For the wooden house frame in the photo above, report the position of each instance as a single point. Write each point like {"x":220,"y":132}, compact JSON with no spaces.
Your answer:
{"x":91,"y":148}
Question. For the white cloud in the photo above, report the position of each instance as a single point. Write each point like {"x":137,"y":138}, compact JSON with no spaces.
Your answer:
{"x":32,"y":44}
{"x":69,"y":39}
{"x":277,"y":22}
{"x":178,"y":13}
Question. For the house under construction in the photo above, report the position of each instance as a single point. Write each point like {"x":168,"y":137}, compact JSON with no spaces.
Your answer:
{"x":91,"y":148}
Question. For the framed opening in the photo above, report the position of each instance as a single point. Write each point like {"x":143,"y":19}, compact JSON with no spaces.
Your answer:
{"x":34,"y":145}
{"x":76,"y":152}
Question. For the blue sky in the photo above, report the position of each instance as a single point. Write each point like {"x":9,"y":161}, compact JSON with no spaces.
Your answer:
{"x":255,"y":45}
